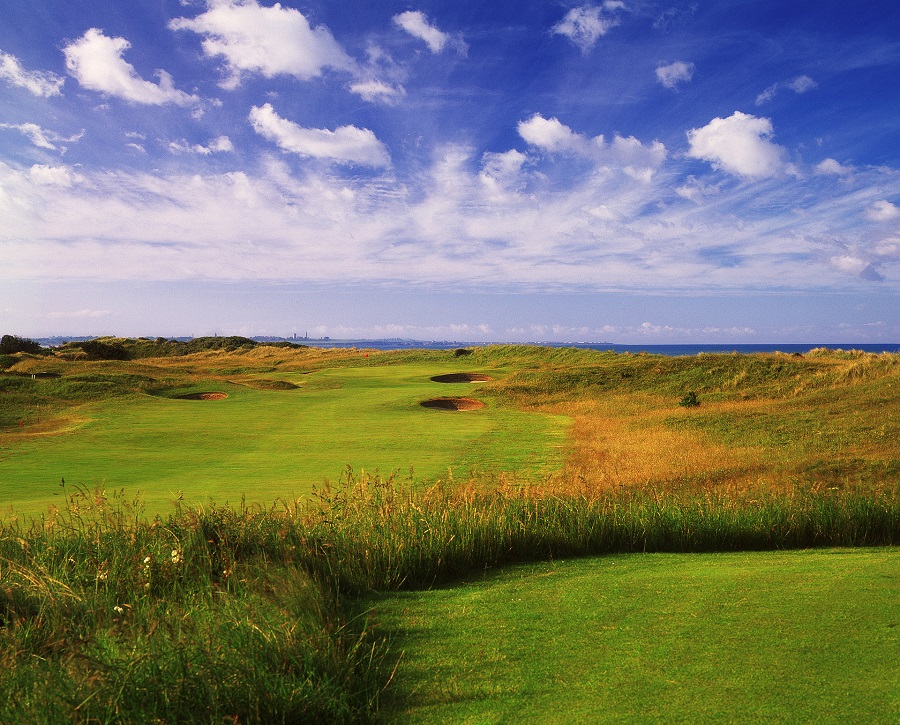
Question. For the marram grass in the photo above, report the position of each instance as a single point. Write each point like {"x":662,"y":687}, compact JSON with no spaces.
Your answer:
{"x":250,"y":615}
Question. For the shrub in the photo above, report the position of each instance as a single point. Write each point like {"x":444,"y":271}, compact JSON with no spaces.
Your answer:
{"x":11,"y":344}
{"x":99,"y":350}
{"x":689,"y":400}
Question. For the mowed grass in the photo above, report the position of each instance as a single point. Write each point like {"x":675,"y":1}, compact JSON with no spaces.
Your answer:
{"x":263,"y":444}
{"x":798,"y":636}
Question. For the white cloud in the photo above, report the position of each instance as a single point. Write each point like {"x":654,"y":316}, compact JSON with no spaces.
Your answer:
{"x":79,"y":314}
{"x":585,"y":25}
{"x":800,"y":84}
{"x":96,"y":62}
{"x":501,"y":173}
{"x":377,"y":91}
{"x":217,"y":145}
{"x":674,"y":73}
{"x":850,"y":264}
{"x":536,"y":220}
{"x":270,"y":41}
{"x":44,"y":175}
{"x":549,"y":134}
{"x":416,"y":24}
{"x":627,"y":153}
{"x":883,"y":211}
{"x":38,"y":83}
{"x":346,"y":144}
{"x":41,"y":137}
{"x":739,"y":145}
{"x":695,"y":190}
{"x":831,"y":167}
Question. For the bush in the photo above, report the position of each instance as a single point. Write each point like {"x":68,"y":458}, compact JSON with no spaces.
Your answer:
{"x":690,"y":400}
{"x":11,"y":344}
{"x":99,"y":350}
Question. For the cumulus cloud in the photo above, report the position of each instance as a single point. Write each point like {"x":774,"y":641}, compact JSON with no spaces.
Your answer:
{"x":44,"y":175}
{"x":41,"y":137}
{"x":96,"y":62}
{"x":739,"y":144}
{"x":38,"y":83}
{"x":585,"y":25}
{"x":416,"y":24}
{"x":883,"y":211}
{"x":674,"y":73}
{"x":346,"y":144}
{"x":831,"y":167}
{"x":627,"y":153}
{"x":269,"y":41}
{"x":800,"y":84}
{"x":217,"y":145}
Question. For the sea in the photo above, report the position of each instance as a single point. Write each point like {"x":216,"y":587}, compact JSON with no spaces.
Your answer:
{"x":671,"y":350}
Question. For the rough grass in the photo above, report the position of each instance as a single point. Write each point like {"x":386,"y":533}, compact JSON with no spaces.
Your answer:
{"x":253,"y":614}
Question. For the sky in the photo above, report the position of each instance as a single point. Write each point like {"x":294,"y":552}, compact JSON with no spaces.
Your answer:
{"x":626,"y":171}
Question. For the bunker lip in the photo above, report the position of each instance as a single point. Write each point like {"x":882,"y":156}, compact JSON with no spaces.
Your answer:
{"x":212,"y":395}
{"x":461,"y":378}
{"x":452,"y":404}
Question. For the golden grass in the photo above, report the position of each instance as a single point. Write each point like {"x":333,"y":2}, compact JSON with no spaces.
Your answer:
{"x":620,"y":442}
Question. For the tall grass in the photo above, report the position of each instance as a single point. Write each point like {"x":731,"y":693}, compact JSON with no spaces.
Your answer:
{"x":250,"y":614}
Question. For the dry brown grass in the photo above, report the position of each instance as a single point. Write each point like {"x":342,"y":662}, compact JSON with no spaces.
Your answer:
{"x":623,"y":441}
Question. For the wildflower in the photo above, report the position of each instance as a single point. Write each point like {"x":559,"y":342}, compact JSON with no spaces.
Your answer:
{"x":103,"y":576}
{"x":118,"y":610}
{"x":147,"y":560}
{"x":177,"y":557}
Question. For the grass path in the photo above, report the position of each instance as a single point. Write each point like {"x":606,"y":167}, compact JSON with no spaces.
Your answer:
{"x":265,"y":444}
{"x":799,"y":636}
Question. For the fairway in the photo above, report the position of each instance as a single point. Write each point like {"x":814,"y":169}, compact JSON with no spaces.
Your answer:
{"x":269,"y":444}
{"x":777,"y":636}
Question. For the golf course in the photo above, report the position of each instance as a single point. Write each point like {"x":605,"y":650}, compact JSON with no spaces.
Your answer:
{"x":226,"y":530}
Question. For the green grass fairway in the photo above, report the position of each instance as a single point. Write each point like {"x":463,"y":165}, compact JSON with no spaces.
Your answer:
{"x":804,"y":636}
{"x":266,"y":444}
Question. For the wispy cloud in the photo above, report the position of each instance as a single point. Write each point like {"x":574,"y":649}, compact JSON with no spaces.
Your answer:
{"x":673,"y":74}
{"x":585,"y":25}
{"x":417,"y":25}
{"x":42,"y":137}
{"x":800,"y":84}
{"x":217,"y":145}
{"x":38,"y":83}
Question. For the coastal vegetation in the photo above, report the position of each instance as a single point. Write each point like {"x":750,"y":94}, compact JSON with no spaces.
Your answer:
{"x":179,"y":584}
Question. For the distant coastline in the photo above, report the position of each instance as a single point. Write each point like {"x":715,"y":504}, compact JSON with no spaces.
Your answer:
{"x":654,"y":349}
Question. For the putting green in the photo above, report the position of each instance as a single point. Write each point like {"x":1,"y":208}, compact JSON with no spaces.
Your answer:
{"x":269,"y":444}
{"x":803,"y":636}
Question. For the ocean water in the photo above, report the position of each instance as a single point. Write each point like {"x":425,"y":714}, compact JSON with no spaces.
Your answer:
{"x":672,"y":350}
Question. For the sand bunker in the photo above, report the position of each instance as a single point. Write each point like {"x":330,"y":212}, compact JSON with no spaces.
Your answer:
{"x":203,"y":396}
{"x":462,"y":378}
{"x":452,"y":404}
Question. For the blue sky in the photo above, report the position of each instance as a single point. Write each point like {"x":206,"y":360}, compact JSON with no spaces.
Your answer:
{"x":623,"y":170}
